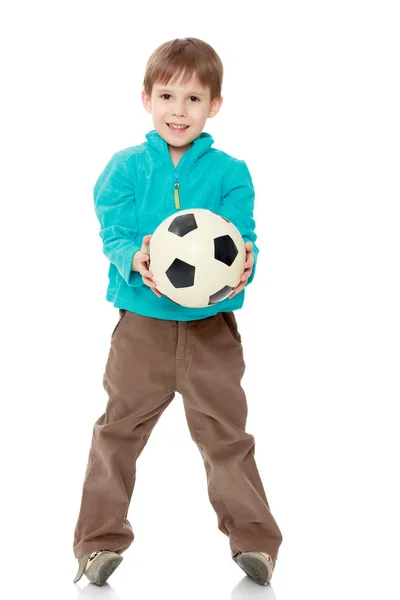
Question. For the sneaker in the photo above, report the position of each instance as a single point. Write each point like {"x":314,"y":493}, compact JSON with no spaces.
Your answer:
{"x":257,"y":565}
{"x":98,"y":566}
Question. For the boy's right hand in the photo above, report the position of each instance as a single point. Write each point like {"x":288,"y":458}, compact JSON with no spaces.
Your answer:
{"x":140,"y":263}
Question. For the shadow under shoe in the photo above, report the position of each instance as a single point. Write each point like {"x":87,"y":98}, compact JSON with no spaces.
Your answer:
{"x":257,"y":565}
{"x":98,"y":566}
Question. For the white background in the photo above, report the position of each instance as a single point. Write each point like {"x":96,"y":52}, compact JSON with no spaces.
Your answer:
{"x":311,"y":103}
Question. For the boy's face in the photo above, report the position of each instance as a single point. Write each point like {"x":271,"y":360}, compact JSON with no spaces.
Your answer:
{"x":179,"y":104}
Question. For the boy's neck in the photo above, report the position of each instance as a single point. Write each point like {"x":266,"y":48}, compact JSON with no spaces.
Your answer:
{"x":176,"y":153}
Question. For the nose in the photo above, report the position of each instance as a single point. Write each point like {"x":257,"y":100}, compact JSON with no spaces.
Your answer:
{"x":179,"y":108}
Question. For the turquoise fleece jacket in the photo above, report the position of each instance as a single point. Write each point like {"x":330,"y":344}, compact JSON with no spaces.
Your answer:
{"x":135,"y":192}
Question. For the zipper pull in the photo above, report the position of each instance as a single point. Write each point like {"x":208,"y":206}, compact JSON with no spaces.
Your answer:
{"x":176,"y":195}
{"x":176,"y":191}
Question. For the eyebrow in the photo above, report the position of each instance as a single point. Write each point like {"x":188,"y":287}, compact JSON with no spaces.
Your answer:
{"x":190,"y":93}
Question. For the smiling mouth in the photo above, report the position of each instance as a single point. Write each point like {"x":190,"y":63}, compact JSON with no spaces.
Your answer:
{"x":178,"y":127}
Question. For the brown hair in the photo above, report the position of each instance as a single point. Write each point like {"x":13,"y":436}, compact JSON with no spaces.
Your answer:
{"x":185,"y":57}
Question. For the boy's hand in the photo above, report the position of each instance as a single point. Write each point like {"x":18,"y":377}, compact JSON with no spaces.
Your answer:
{"x":140,"y":263}
{"x":248,"y":269}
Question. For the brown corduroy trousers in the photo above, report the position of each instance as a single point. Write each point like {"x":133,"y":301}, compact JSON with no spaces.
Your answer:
{"x":149,"y":360}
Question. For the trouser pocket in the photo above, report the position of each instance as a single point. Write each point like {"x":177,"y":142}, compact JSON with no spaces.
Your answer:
{"x":122,"y":313}
{"x":230,"y":321}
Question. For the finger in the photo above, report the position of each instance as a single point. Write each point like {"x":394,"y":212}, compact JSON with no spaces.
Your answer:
{"x":149,"y":282}
{"x":154,"y":289}
{"x":235,"y":291}
{"x":152,"y":286}
{"x":238,"y":289}
{"x":245,"y":275}
{"x":146,"y":273}
{"x":145,"y":242}
{"x":144,"y":258}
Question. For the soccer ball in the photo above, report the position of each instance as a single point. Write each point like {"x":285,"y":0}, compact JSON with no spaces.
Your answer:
{"x":196,"y":257}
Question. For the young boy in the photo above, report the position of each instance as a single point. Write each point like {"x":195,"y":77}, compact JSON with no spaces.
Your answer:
{"x":159,"y":347}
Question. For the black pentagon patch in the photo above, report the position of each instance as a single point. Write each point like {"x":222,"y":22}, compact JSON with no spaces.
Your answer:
{"x":225,"y":249}
{"x":221,"y":295}
{"x":183,"y":224}
{"x":180,"y":274}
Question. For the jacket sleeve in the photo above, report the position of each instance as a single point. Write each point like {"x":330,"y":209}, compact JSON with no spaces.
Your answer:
{"x":238,"y":205}
{"x":115,"y":207}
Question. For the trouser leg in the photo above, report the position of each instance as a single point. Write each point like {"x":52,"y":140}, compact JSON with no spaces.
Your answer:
{"x":216,"y":412}
{"x":140,"y":382}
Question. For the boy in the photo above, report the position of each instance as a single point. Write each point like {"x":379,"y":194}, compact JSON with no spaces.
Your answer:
{"x":159,"y":347}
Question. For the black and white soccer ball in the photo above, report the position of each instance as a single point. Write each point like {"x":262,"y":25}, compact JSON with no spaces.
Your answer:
{"x":196,"y":257}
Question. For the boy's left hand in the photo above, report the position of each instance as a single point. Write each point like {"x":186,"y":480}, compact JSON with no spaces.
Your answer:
{"x":248,"y":269}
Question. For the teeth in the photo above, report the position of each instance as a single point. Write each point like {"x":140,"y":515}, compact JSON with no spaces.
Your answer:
{"x":177,"y":126}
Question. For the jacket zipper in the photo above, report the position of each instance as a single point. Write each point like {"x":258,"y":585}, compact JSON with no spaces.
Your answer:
{"x":177,"y":177}
{"x":176,"y":191}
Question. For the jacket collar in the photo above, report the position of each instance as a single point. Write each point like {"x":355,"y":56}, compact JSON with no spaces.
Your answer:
{"x":200,"y":145}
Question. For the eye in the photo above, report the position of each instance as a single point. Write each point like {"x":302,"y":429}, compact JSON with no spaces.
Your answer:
{"x":196,"y":99}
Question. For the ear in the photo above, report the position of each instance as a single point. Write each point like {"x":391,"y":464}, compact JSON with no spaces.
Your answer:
{"x":146,"y":100}
{"x":215,"y":107}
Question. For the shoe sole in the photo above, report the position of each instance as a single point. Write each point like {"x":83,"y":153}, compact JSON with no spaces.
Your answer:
{"x":102,"y":568}
{"x":254,"y":566}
